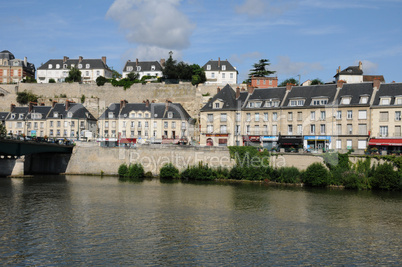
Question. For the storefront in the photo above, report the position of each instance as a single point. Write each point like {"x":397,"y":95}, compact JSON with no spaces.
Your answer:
{"x":127,"y":142}
{"x":217,"y":139}
{"x":269,"y":142}
{"x":317,"y":143}
{"x":251,"y":140}
{"x":290,"y":143}
{"x":390,"y":145}
{"x":108,"y":142}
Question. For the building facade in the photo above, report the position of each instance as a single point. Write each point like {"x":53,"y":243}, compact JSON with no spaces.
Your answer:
{"x":264,"y":82}
{"x":14,"y":70}
{"x":58,"y":69}
{"x":144,"y":68}
{"x":220,"y":72}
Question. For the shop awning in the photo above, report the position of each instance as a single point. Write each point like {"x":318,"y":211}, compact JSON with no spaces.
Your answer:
{"x":290,"y":141}
{"x":385,"y":142}
{"x":128,"y":140}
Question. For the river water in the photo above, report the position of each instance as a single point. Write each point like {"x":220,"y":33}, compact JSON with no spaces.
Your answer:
{"x":81,"y":220}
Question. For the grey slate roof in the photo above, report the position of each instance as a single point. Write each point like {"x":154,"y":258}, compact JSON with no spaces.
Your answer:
{"x":114,"y":107}
{"x":355,"y":91}
{"x":351,"y":70}
{"x":157,"y":110}
{"x":93,"y":64}
{"x":17,"y":111}
{"x":5,"y":54}
{"x":390,"y":89}
{"x":78,"y":111}
{"x":3,"y":115}
{"x":44,"y":110}
{"x":267,"y":94}
{"x":228,"y":96}
{"x":216,"y":67}
{"x":310,"y":92}
{"x":145,"y":65}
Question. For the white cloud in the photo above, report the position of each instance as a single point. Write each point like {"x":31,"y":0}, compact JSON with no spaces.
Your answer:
{"x":153,"y":23}
{"x":368,"y":66}
{"x":286,"y":67}
{"x":149,"y":53}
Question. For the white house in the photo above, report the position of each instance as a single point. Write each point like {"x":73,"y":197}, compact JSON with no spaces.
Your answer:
{"x":352,"y":74}
{"x":58,"y":69}
{"x":144,"y":68}
{"x":220,"y":72}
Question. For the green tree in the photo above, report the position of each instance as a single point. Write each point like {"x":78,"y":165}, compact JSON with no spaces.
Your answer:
{"x":316,"y":82}
{"x":29,"y":80}
{"x":169,"y":171}
{"x":100,"y":81}
{"x":25,"y":97}
{"x":3,"y":131}
{"x":316,"y":175}
{"x":260,"y":69}
{"x":74,"y":75}
{"x":170,"y":70}
{"x":82,"y":99}
{"x":51,"y":80}
{"x":133,"y":76}
{"x":290,"y":80}
{"x":115,"y":74}
{"x":198,"y":74}
{"x":385,"y":177}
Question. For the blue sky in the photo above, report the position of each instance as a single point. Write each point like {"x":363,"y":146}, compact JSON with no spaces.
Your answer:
{"x":307,"y":37}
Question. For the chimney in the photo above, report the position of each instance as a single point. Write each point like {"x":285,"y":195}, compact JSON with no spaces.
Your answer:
{"x":250,"y":89}
{"x":25,"y":61}
{"x":123,"y":104}
{"x":12,"y":106}
{"x":67,"y":105}
{"x":242,"y":89}
{"x":338,"y":70}
{"x":218,"y":90}
{"x":376,"y":83}
{"x":219,"y":62}
{"x":360,"y":65}
{"x":136,"y":62}
{"x":167,"y":105}
{"x":289,"y":86}
{"x":54,"y":103}
{"x":147,"y":103}
{"x":162,"y":62}
{"x":79,"y":59}
{"x":237,"y":92}
{"x":31,"y":104}
{"x":339,"y":84}
{"x":65,"y":59}
{"x":104,"y":60}
{"x":42,"y":104}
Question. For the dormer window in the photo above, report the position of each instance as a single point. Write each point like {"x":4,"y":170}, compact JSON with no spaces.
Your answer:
{"x":110,"y":115}
{"x":223,"y":67}
{"x":132,"y":115}
{"x":21,"y":116}
{"x":363,"y":100}
{"x":138,"y":68}
{"x":57,"y":66}
{"x":258,"y":104}
{"x":251,"y":104}
{"x":147,"y":115}
{"x":319,"y":102}
{"x":69,"y":114}
{"x":398,"y":101}
{"x":208,"y":67}
{"x":55,"y":115}
{"x":170,"y":114}
{"x":385,"y":101}
{"x":12,"y":116}
{"x":296,"y":102}
{"x":345,"y":100}
{"x":80,"y":66}
{"x":139,"y":115}
{"x":129,"y":68}
{"x":72,"y":65}
{"x":50,"y":66}
{"x":87,"y":66}
{"x":153,"y":67}
{"x":65,"y":66}
{"x":216,"y":105}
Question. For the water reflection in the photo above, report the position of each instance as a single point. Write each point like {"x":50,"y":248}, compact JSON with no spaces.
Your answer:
{"x":103,"y":221}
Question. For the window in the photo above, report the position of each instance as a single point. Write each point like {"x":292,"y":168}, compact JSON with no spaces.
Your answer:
{"x":312,"y":129}
{"x":110,"y":115}
{"x":152,"y":67}
{"x":350,"y":114}
{"x":290,"y":116}
{"x":173,"y":124}
{"x":138,"y":68}
{"x":231,"y":75}
{"x":349,"y":129}
{"x":322,"y":115}
{"x":223,"y":67}
{"x":73,"y":124}
{"x":384,"y":116}
{"x":223,"y":117}
{"x":69,"y":114}
{"x":50,"y":66}
{"x":339,"y":129}
{"x":87,"y":66}
{"x":131,"y":133}
{"x":299,"y":102}
{"x":183,"y":125}
{"x":80,"y":66}
{"x":258,"y":82}
{"x":210,"y":117}
{"x":319,"y":102}
{"x":237,"y":130}
{"x":86,"y":73}
{"x":312,"y":115}
{"x":223,"y":129}
{"x":398,"y":130}
{"x":210,"y":128}
{"x":248,"y":115}
{"x":362,"y":114}
{"x":106,"y":124}
{"x":345,"y":101}
{"x":129,"y":68}
{"x":223,"y":75}
{"x":274,"y":129}
{"x":132,"y":124}
{"x":322,"y":128}
{"x":338,"y":144}
{"x":362,"y":130}
{"x":265,"y":116}
{"x":213,"y":75}
{"x":238,"y":116}
{"x":398,"y":101}
{"x":65,"y":124}
{"x":349,"y":144}
{"x":257,"y":117}
{"x":361,"y":144}
{"x":97,"y":73}
{"x":299,"y":116}
{"x":274,"y":116}
{"x":258,"y":104}
{"x":139,"y":133}
{"x":113,"y":124}
{"x":165,"y":125}
{"x":290,"y":129}
{"x":397,"y":115}
{"x":57,"y":66}
{"x":384,"y":101}
{"x":299,"y":129}
{"x":170,"y":114}
{"x":208,"y":67}
{"x":339,"y":115}
{"x":55,"y":114}
{"x":265,"y":128}
{"x":146,"y":124}
{"x":383,"y":131}
{"x":248,"y":129}
{"x":363,"y":100}
{"x":58,"y":123}
{"x":257,"y":129}
{"x":251,"y":104}
{"x":216,"y":105}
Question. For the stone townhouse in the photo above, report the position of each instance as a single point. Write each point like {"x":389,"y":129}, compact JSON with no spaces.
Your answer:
{"x":15,"y":120}
{"x":36,"y":120}
{"x":14,"y":70}
{"x":144,"y":68}
{"x":58,"y":69}
{"x":70,"y":120}
{"x":157,"y":123}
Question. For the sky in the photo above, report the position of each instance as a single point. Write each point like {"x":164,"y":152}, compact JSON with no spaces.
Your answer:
{"x":310,"y":38}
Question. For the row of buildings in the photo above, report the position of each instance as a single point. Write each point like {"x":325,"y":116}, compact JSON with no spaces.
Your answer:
{"x":15,"y":70}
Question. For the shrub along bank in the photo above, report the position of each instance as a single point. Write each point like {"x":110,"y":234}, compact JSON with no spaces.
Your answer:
{"x":253,"y":164}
